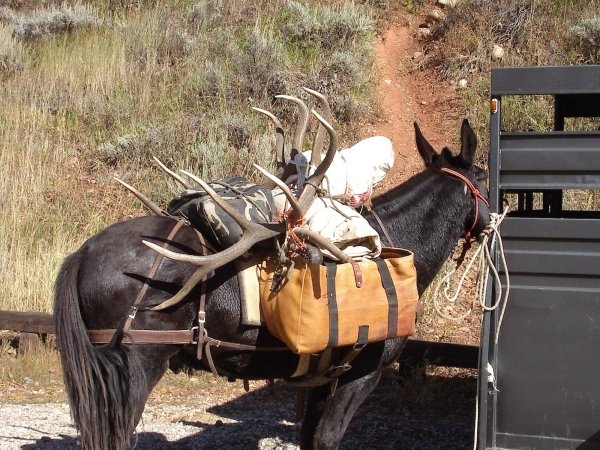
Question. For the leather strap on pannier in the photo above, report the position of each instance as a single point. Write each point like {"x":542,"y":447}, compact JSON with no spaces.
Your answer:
{"x":332,"y":305}
{"x":390,"y":292}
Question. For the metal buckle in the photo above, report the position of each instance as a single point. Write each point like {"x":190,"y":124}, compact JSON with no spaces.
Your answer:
{"x":195,"y":337}
{"x":201,"y":317}
{"x":134,"y":310}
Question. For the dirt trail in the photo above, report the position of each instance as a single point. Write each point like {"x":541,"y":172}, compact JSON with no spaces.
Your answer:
{"x":407,"y":95}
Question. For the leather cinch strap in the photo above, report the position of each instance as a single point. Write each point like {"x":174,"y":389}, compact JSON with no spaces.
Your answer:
{"x":150,"y":276}
{"x":145,"y":336}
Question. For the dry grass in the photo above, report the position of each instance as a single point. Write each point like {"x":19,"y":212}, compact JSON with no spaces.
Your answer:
{"x":98,"y":89}
{"x":35,"y":376}
{"x":532,"y":33}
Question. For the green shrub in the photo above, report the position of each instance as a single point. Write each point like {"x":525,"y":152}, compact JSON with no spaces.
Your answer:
{"x":585,"y":38}
{"x":12,"y":53}
{"x":325,"y":27}
{"x":44,"y":23}
{"x":473,"y":26}
{"x":7,"y":15}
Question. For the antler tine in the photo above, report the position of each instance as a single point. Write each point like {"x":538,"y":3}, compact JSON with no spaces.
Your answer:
{"x":316,"y":238}
{"x":312,"y":183}
{"x":177,"y":178}
{"x":279,"y":139}
{"x":279,"y":145}
{"x":270,"y":115}
{"x":300,"y":130}
{"x":258,"y":232}
{"x":240,"y":219}
{"x":145,"y":200}
{"x":253,"y":233}
{"x":320,"y":136}
{"x":284,"y":187}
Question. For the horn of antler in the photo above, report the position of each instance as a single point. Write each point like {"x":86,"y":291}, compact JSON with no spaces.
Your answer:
{"x":279,"y":145}
{"x":300,"y":130}
{"x":321,"y":242}
{"x":279,"y":139}
{"x":145,"y":200}
{"x":176,"y":177}
{"x":313,"y":182}
{"x":284,"y":187}
{"x":309,"y":192}
{"x":252,"y":234}
{"x":256,"y":232}
{"x":321,"y":130}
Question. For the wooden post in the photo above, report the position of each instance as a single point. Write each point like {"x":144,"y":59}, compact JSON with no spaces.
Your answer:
{"x":28,"y":342}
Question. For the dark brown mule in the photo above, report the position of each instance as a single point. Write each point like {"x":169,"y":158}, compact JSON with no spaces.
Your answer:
{"x":108,"y":385}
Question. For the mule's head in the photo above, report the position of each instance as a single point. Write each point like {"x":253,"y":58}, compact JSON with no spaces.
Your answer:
{"x":461,"y":167}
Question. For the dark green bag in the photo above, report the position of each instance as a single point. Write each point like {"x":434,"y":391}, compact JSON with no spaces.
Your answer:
{"x":254,"y":201}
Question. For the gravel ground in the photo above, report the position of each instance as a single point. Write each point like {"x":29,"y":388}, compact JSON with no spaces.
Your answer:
{"x":430,"y":412}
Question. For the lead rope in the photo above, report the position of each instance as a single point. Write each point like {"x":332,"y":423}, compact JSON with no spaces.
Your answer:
{"x":483,"y":254}
{"x":490,"y":235}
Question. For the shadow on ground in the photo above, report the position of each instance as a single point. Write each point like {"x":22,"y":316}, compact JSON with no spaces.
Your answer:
{"x":427,"y":412}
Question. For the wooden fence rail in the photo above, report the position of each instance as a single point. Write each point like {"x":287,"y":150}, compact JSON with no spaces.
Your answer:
{"x":32,"y":324}
{"x":27,"y":322}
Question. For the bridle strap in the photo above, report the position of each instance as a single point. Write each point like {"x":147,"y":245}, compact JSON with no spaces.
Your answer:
{"x":474,"y":191}
{"x":383,"y":228}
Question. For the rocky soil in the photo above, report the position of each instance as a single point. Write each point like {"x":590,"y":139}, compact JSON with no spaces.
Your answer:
{"x":434,"y":412}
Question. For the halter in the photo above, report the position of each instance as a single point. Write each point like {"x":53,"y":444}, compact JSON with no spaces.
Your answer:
{"x":476,"y":195}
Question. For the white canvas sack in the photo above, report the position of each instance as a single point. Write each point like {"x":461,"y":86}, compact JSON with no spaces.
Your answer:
{"x":354,"y":172}
{"x":340,"y":224}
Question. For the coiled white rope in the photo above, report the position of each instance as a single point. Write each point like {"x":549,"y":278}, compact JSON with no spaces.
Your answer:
{"x":491,"y":236}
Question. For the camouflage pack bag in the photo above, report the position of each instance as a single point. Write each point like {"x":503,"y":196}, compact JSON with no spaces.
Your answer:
{"x":253,"y":201}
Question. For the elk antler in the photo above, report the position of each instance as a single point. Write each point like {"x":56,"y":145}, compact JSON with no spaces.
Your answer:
{"x":300,"y":130}
{"x":252,"y":234}
{"x":279,"y":145}
{"x":320,"y":136}
{"x":309,"y":192}
{"x":313,"y":182}
{"x":177,"y":178}
{"x":145,"y":200}
{"x":257,"y":232}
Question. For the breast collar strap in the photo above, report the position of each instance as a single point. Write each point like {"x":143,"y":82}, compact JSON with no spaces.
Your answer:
{"x":474,"y":191}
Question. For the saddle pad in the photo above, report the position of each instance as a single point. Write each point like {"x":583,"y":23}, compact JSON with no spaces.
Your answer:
{"x":248,"y":270}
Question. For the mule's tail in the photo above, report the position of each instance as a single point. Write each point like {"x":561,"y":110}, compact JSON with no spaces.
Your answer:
{"x":104,"y":400}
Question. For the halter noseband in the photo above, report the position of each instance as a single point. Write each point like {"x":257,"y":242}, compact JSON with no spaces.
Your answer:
{"x":476,"y":195}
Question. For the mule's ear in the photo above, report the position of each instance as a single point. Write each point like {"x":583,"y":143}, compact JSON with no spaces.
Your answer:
{"x":468,"y":142}
{"x":426,"y":151}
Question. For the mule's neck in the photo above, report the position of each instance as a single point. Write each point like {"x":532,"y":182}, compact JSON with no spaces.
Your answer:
{"x":427,"y":215}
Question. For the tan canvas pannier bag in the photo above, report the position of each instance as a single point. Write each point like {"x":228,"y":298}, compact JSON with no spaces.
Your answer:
{"x":321,"y":307}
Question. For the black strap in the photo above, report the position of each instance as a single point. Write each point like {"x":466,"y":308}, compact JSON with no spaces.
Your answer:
{"x":383,"y":228}
{"x":332,"y":305}
{"x":335,"y":371}
{"x":392,"y":297}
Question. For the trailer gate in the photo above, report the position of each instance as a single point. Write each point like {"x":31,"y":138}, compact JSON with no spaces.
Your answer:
{"x":547,"y":360}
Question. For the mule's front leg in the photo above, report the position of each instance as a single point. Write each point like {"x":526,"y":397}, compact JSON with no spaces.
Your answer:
{"x":327,"y":417}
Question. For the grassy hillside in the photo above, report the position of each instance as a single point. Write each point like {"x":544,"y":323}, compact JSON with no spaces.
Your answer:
{"x":92,"y":91}
{"x":89,"y":91}
{"x":531,"y":33}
